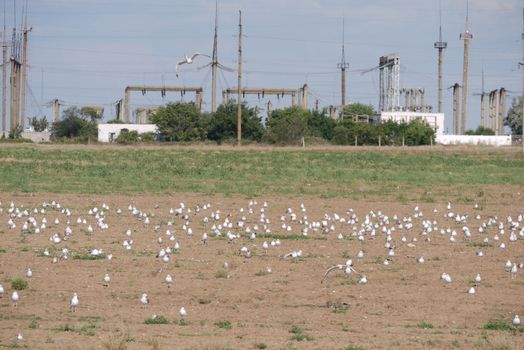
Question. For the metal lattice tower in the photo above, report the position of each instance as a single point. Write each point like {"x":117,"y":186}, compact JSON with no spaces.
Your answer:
{"x":466,"y":36}
{"x":440,"y":45}
{"x":343,"y":65}
{"x":389,"y":69}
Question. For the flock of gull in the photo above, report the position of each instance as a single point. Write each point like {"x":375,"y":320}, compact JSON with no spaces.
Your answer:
{"x":251,"y":231}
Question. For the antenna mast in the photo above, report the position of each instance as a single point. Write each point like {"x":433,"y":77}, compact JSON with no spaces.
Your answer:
{"x":440,"y":45}
{"x":466,"y":36}
{"x":214,"y":64}
{"x":239,"y":99}
{"x":343,"y":65}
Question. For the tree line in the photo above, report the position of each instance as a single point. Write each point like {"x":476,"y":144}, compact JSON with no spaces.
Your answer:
{"x":183,"y":122}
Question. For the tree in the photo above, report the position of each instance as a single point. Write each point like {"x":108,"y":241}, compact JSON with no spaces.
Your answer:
{"x":91,"y":114}
{"x":179,"y":122}
{"x":418,"y":133}
{"x":357,"y":109}
{"x":287,"y":126}
{"x":514,"y":117}
{"x":222,"y":124}
{"x":320,"y":124}
{"x":73,"y":125}
{"x":39,"y":125}
{"x":480,"y":131}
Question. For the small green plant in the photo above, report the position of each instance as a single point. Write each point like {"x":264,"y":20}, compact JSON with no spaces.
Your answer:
{"x":261,"y":273}
{"x":156,"y":320}
{"x":354,"y":347}
{"x":221,"y":274}
{"x":260,"y":346}
{"x":223,"y":324}
{"x":2,"y":250}
{"x":33,"y":324}
{"x":202,"y":301}
{"x":64,"y":328}
{"x":424,"y":325}
{"x":499,"y":326}
{"x":298,"y":334}
{"x":88,"y":257}
{"x":455,"y":343}
{"x":19,"y":284}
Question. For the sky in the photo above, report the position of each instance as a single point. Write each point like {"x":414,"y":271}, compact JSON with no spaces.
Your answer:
{"x":86,"y":51}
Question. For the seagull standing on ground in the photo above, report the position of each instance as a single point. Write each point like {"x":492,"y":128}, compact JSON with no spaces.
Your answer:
{"x":74,"y":302}
{"x":187,"y":60}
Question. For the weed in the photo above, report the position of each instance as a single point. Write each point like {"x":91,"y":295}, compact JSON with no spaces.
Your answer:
{"x":204,"y":301}
{"x":64,"y":328}
{"x":156,"y":320}
{"x":33,"y":324}
{"x":455,"y":343}
{"x":261,"y":273}
{"x":2,"y":250}
{"x":260,"y":346}
{"x":19,"y":284}
{"x":223,"y":324}
{"x":425,"y":325}
{"x":354,"y":347}
{"x":221,"y":274}
{"x":87,"y":256}
{"x":499,"y":326}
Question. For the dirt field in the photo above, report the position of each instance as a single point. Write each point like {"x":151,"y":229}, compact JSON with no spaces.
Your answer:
{"x":404,"y":305}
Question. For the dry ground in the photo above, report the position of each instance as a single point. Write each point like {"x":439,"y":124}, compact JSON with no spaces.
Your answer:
{"x":388,"y":313}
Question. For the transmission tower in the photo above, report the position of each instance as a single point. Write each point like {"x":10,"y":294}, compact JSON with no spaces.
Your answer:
{"x":440,"y":45}
{"x":4,"y":80}
{"x":343,"y":65}
{"x":466,"y":36}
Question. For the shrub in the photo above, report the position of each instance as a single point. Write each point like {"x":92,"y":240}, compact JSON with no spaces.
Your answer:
{"x":19,"y":284}
{"x":156,"y":320}
{"x":223,"y":324}
{"x":180,"y":122}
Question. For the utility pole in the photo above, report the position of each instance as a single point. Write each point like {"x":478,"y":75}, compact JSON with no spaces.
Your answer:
{"x":26,"y":30}
{"x":456,"y":92}
{"x":214,"y":64}
{"x":15,"y":87}
{"x":466,"y":36}
{"x":239,"y":99}
{"x":343,"y":65}
{"x":440,"y":45}
{"x":522,"y":63}
{"x":483,"y":104}
{"x":4,"y":81}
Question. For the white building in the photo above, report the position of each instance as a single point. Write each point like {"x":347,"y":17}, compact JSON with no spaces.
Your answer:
{"x":109,"y":132}
{"x":474,"y":140}
{"x":434,"y":120}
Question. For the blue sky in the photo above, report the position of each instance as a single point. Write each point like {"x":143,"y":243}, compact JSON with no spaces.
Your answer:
{"x":88,"y":50}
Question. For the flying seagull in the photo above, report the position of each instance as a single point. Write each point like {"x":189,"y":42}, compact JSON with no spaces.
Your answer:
{"x":188,"y":60}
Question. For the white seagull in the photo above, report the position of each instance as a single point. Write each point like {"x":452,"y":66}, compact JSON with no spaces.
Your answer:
{"x":187,"y":60}
{"x":144,"y":300}
{"x":74,"y":302}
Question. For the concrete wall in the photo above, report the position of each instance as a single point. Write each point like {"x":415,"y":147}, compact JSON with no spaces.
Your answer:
{"x":109,"y":132}
{"x":474,"y":140}
{"x":34,"y":136}
{"x":435,"y":120}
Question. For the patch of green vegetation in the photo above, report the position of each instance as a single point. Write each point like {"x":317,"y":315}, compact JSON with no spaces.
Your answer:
{"x":221,"y":274}
{"x":156,"y":320}
{"x":261,"y":273}
{"x":202,"y":301}
{"x":223,"y":324}
{"x":500,"y":326}
{"x":2,"y":250}
{"x":260,"y":346}
{"x":425,"y":325}
{"x":455,"y":343}
{"x":354,"y":347}
{"x":64,"y":328}
{"x":322,"y":172}
{"x":34,"y":323}
{"x":87,"y":256}
{"x":432,"y":342}
{"x":19,"y":284}
{"x":479,"y":244}
{"x":282,"y":236}
{"x":298,"y":334}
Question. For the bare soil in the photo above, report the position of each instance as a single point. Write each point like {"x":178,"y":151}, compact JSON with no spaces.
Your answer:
{"x":262,"y":308}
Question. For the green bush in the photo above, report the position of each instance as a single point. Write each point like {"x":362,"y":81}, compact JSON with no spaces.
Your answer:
{"x":287,"y":126}
{"x":19,"y":284}
{"x":74,"y":127}
{"x":156,"y":320}
{"x":481,"y":131}
{"x":222,"y":125}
